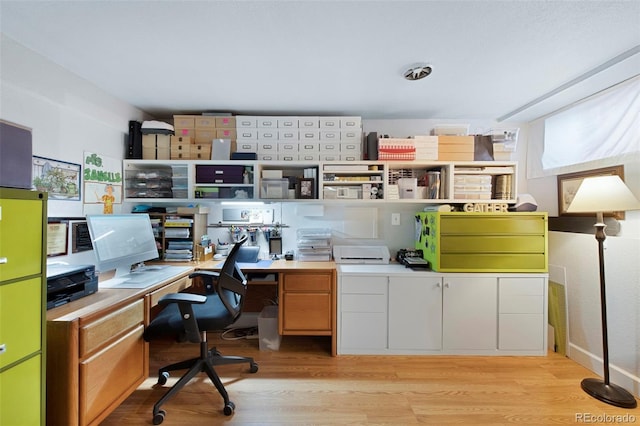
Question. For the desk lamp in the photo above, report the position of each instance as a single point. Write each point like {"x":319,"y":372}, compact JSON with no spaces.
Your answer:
{"x":597,"y":195}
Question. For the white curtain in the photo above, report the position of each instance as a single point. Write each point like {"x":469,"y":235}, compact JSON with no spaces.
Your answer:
{"x":600,"y":131}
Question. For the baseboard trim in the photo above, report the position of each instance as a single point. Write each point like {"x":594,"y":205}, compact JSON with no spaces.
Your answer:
{"x":618,"y":376}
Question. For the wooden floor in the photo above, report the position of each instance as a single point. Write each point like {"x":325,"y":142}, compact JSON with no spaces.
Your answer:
{"x":301,"y":384}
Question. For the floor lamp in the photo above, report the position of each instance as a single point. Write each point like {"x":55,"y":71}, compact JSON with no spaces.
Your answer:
{"x":597,"y":195}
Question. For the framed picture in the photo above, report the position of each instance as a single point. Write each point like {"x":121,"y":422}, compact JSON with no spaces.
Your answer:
{"x":59,"y":178}
{"x":306,"y":188}
{"x":57,"y":233}
{"x":569,"y":183}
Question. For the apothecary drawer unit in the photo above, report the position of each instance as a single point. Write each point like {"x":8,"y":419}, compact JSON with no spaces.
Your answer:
{"x":483,"y":242}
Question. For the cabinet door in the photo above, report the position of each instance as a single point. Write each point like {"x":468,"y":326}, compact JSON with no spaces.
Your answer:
{"x":18,"y":386}
{"x":415,"y":313}
{"x":470,"y":313}
{"x":21,"y":234}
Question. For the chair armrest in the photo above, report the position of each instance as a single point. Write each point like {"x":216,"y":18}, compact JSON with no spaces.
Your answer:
{"x":205,"y":274}
{"x":182,"y":298}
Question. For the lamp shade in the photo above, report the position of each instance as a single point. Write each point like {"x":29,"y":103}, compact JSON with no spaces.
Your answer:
{"x":603,"y":194}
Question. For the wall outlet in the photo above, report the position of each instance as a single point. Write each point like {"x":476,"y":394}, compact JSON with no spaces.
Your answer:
{"x":395,"y":219}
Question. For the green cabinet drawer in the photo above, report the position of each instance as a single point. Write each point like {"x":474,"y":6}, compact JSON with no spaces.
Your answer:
{"x":20,"y":394}
{"x":498,"y":262}
{"x":482,"y":225}
{"x":492,"y":244}
{"x":21,"y":242}
{"x":20,"y":319}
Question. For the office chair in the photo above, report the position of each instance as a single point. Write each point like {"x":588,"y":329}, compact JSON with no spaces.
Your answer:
{"x":190,"y":316}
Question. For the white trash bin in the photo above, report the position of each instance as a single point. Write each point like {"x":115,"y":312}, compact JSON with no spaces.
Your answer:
{"x":268,"y":329}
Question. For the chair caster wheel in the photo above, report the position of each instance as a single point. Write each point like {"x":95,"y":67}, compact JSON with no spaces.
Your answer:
{"x":229,"y":407}
{"x":253,"y":368}
{"x":162,"y":378}
{"x":158,"y":418}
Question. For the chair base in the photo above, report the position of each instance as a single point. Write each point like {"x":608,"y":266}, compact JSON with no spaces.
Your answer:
{"x":205,"y":363}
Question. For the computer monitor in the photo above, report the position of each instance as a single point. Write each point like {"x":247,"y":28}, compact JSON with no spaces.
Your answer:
{"x":121,"y":241}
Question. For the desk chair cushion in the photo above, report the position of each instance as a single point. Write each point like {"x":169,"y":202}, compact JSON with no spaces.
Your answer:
{"x":210,"y":316}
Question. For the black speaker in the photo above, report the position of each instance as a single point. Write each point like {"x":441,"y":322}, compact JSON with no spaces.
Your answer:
{"x":372,"y":146}
{"x":134,"y":142}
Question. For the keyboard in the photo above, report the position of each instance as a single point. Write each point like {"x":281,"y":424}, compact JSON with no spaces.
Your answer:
{"x":146,"y":278}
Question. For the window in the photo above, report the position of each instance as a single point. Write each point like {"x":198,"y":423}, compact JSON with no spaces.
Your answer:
{"x":603,"y":126}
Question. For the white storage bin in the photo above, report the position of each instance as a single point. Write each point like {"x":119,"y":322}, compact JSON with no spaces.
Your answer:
{"x":268,"y":329}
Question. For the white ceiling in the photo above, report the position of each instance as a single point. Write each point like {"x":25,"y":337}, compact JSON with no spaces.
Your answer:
{"x":489,"y":58}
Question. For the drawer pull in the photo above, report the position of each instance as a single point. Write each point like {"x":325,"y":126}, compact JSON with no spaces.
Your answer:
{"x":4,"y":260}
{"x":3,"y":348}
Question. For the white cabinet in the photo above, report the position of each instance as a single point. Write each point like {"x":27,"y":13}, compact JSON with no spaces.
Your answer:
{"x":363,"y":313}
{"x":522,"y":313}
{"x":389,"y":309}
{"x":469,"y":306}
{"x":415,"y":313}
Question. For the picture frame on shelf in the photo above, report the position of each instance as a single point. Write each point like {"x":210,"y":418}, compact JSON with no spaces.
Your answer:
{"x":305,"y":188}
{"x":569,"y":183}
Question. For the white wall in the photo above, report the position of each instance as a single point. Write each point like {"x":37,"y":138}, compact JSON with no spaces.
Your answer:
{"x":67,"y":115}
{"x":576,"y":257}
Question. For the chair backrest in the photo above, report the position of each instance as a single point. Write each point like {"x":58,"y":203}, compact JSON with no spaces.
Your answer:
{"x":231,"y":286}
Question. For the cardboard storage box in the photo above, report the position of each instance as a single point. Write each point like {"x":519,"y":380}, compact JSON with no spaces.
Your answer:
{"x":204,"y":122}
{"x":180,"y":148}
{"x":156,"y":146}
{"x":189,"y":133}
{"x":226,"y":134}
{"x":204,"y":135}
{"x":455,"y":148}
{"x":225,"y":122}
{"x":184,"y":121}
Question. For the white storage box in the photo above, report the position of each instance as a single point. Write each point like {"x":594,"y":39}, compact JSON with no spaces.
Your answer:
{"x":268,"y":329}
{"x":408,"y":188}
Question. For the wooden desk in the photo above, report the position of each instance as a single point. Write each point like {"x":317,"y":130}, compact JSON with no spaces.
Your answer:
{"x":96,"y":356}
{"x":306,"y":293}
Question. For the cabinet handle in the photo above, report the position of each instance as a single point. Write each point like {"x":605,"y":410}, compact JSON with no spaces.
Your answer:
{"x":446,"y":285}
{"x":3,"y":348}
{"x":438,"y":285}
{"x":3,"y":260}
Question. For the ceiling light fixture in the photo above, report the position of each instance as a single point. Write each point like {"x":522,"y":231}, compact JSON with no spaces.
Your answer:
{"x":417,"y":72}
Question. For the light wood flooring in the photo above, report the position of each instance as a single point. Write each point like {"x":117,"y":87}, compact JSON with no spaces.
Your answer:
{"x":301,"y":384}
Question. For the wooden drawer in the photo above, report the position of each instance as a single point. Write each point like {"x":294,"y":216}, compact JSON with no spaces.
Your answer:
{"x":307,"y":312}
{"x":110,"y":326}
{"x":111,"y":375}
{"x":174,"y":287}
{"x":307,"y":282}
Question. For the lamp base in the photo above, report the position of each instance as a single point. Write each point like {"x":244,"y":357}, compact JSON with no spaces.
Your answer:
{"x":609,"y":393}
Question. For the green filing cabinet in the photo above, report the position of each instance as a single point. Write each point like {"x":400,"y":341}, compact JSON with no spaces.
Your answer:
{"x":483,"y":242}
{"x":23,"y":219}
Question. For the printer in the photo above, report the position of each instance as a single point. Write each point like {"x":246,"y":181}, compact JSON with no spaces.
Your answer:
{"x":66,"y":283}
{"x":357,"y":254}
